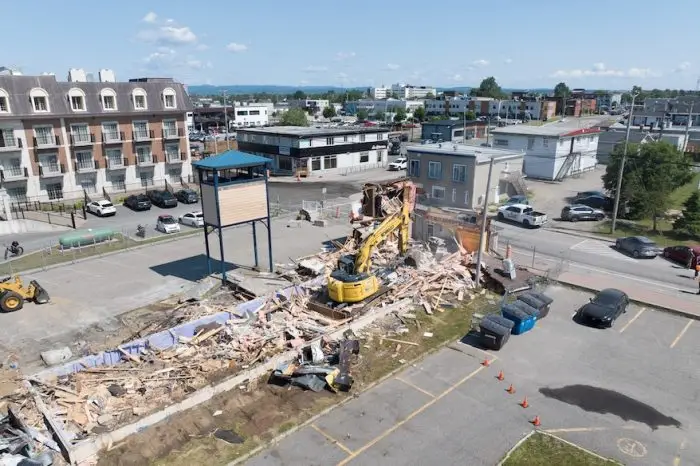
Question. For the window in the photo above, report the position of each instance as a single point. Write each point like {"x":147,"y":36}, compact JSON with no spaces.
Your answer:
{"x":169,"y":129}
{"x":110,"y":131}
{"x":108,"y":102}
{"x":454,"y":195}
{"x":18,"y":194}
{"x":140,"y":130}
{"x":545,"y":142}
{"x":7,"y":138}
{"x":241,"y":112}
{"x":40,"y":99}
{"x":174,"y":174}
{"x":315,"y":163}
{"x":44,"y":135}
{"x":13,"y":168}
{"x":345,"y":139}
{"x":380,"y":156}
{"x":530,"y":143}
{"x":146,"y":179}
{"x":143,"y":155}
{"x":466,"y":197}
{"x":4,"y":102}
{"x":329,"y":141}
{"x":140,"y":102}
{"x":169,"y":98}
{"x":435,"y":170}
{"x":459,"y":173}
{"x":414,"y":168}
{"x":118,"y":182}
{"x":114,"y":158}
{"x":84,"y":160}
{"x":49,"y":164}
{"x":80,"y":133}
{"x":330,"y":161}
{"x":254,"y":112}
{"x":88,"y":184}
{"x":77,"y":103}
{"x":362,"y":138}
{"x":172,"y":152}
{"x":54,"y":191}
{"x":364,"y":157}
{"x":500,"y":142}
{"x":438,"y":192}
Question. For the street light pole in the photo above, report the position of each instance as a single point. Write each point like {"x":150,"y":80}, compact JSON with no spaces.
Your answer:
{"x":228,"y":142}
{"x":621,"y":171}
{"x":484,"y":216}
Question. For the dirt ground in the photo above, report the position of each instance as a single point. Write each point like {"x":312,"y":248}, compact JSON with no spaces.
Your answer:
{"x":259,"y":411}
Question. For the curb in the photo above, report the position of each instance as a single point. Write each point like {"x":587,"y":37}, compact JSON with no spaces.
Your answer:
{"x":580,"y":234}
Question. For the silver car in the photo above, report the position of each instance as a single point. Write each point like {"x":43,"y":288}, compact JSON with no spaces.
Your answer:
{"x":638,"y":247}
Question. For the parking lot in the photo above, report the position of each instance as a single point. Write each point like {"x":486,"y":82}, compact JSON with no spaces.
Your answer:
{"x":628,"y":393}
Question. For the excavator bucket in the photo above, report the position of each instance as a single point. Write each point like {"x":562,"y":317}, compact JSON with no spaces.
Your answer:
{"x":41,"y":296}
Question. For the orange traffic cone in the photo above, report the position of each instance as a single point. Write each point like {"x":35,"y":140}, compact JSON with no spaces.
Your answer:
{"x":500,"y":375}
{"x":510,"y":389}
{"x":524,"y":403}
{"x":486,"y":363}
{"x":536,"y":421}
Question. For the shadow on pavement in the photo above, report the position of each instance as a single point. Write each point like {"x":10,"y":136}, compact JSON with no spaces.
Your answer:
{"x":192,"y":268}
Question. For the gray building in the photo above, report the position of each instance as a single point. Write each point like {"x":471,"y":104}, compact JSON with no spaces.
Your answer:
{"x":609,"y":140}
{"x":452,"y":130}
{"x":455,"y":175}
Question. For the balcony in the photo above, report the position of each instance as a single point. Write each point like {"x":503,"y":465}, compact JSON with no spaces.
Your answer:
{"x":51,"y":170}
{"x":173,"y":133}
{"x":50,"y":141}
{"x":146,"y":161}
{"x":85,"y":165}
{"x":10,"y":144}
{"x":119,"y":163}
{"x":14,"y":174}
{"x":113,"y":137}
{"x":175,"y":157}
{"x":142,"y":136}
{"x":82,"y":139}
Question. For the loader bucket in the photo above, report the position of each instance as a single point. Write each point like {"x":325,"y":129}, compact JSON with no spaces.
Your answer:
{"x":41,"y":296}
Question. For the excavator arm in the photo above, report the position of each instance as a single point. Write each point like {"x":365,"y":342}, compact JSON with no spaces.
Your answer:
{"x":397,"y":221}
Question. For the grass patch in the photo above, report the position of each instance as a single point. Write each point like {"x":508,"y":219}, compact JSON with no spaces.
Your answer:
{"x":680,"y":195}
{"x":545,"y":450}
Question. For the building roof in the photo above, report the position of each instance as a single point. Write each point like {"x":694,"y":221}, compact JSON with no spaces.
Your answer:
{"x":18,"y":88}
{"x":482,"y":154}
{"x":555,"y":130}
{"x":452,"y":123}
{"x":231,"y":159}
{"x":310,"y":131}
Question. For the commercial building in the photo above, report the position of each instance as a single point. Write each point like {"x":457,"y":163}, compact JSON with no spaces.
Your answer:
{"x":250,"y":114}
{"x":312,"y":106}
{"x":453,"y":130}
{"x":381,"y":92}
{"x":553,"y":151}
{"x":408,"y":91}
{"x":60,"y":140}
{"x":386,"y":106}
{"x":292,"y":148}
{"x":535,"y":109}
{"x":455,"y":175}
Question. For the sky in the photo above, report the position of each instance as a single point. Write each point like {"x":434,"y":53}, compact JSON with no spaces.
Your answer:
{"x":595,"y":45}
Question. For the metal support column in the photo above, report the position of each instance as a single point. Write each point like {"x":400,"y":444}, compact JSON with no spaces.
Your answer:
{"x":255,"y":246}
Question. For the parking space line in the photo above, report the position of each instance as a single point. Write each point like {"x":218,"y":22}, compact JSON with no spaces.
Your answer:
{"x":578,"y":244}
{"x":641,"y":311}
{"x":585,"y":429}
{"x":415,"y":413}
{"x":682,"y":332}
{"x":414,"y":386}
{"x":331,"y":439}
{"x":677,"y":458}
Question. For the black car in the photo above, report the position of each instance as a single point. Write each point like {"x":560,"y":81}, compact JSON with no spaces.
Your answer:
{"x":162,"y":198}
{"x":138,"y":202}
{"x":604,"y":308}
{"x":596,"y":201}
{"x":574,"y":213}
{"x":187,"y":196}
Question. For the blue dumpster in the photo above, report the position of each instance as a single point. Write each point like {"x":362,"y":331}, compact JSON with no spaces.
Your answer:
{"x":495,"y":331}
{"x":522,"y":321}
{"x":527,"y":309}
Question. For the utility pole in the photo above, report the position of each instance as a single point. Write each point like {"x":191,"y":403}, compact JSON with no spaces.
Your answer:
{"x":621,"y":172}
{"x":228,"y":142}
{"x":484,"y":217}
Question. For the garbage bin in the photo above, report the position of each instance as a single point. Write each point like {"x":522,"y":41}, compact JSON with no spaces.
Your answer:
{"x":527,"y":309}
{"x":522,"y":321}
{"x":495,"y":331}
{"x":546,"y":300}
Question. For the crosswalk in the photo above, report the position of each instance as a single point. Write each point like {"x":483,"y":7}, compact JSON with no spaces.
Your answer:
{"x":600,"y":248}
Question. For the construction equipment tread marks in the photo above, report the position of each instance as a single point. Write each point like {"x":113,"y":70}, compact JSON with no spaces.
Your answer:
{"x":11,"y":301}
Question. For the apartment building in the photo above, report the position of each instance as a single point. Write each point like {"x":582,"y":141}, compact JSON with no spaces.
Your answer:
{"x":383,"y":92}
{"x":59,"y":140}
{"x":386,"y":106}
{"x":317,"y":149}
{"x":408,"y":91}
{"x":535,"y":109}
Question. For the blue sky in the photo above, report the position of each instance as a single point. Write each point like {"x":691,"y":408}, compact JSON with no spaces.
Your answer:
{"x":363,"y":43}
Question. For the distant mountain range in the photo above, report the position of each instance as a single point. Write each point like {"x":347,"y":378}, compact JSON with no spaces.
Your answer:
{"x":274,"y":89}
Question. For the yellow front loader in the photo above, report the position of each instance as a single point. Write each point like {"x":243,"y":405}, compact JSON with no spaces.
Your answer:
{"x":13,"y":293}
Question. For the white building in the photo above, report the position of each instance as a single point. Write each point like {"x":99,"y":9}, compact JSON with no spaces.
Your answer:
{"x":408,"y":91}
{"x":381,"y":92}
{"x":313,"y":106}
{"x":386,"y":106}
{"x":317,"y":149}
{"x":553,"y":151}
{"x":250,"y":114}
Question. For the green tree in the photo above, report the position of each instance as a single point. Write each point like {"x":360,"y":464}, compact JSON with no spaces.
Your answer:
{"x":561,"y":91}
{"x":419,"y":114}
{"x":394,"y":95}
{"x":488,"y":88}
{"x":652,"y":172}
{"x":690,"y":221}
{"x":379,"y":115}
{"x":294,"y":117}
{"x":400,"y":115}
{"x":362,"y":114}
{"x":437,"y":118}
{"x":329,"y":112}
{"x":299,"y":95}
{"x":469,"y":115}
{"x":429,"y":95}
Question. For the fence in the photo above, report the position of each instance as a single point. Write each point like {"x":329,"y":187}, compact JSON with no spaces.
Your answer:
{"x":361,"y":168}
{"x":548,"y":265}
{"x":52,"y":218}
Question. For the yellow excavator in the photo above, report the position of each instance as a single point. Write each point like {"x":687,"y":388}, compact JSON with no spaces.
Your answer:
{"x":13,"y":293}
{"x":351,"y":281}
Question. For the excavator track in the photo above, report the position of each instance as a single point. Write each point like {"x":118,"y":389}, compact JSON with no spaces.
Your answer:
{"x":324,"y":305}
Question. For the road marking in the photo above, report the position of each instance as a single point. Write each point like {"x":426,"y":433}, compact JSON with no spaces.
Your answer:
{"x":677,"y":459}
{"x":636,"y":316}
{"x":415,"y":413}
{"x":414,"y":386}
{"x":631,"y":447}
{"x":585,"y":429}
{"x":331,"y":439}
{"x":680,"y":335}
{"x":579,"y":244}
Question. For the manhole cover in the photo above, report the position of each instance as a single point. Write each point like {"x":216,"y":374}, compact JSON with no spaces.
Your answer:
{"x":632,"y":447}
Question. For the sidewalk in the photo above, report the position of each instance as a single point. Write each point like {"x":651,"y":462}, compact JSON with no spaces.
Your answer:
{"x":683,"y":302}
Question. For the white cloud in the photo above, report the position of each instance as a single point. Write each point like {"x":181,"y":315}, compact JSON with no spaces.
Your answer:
{"x":682,"y":67}
{"x":315,"y":69}
{"x":600,"y":70}
{"x":508,"y":61}
{"x":198,"y":65}
{"x":340,"y":56}
{"x":456,"y":77}
{"x":202,"y":47}
{"x":170,"y":21}
{"x":160,"y":57}
{"x":480,"y":63}
{"x":150,"y":17}
{"x":236,"y":47}
{"x":392,"y":66}
{"x":169,"y":35}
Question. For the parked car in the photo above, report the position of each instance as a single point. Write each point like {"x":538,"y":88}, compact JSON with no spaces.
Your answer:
{"x":162,"y":198}
{"x":596,"y":201}
{"x":574,"y":213}
{"x":193,"y":219}
{"x":638,"y":246}
{"x":102,"y":208}
{"x":604,"y":308}
{"x":187,"y":196}
{"x":399,"y":164}
{"x":590,"y":193}
{"x":685,"y":255}
{"x":138,"y":202}
{"x":167,"y":224}
{"x":523,"y":214}
{"x":517,"y":199}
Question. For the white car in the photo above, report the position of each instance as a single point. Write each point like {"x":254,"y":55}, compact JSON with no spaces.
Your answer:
{"x":167,"y":224}
{"x":193,"y":219}
{"x":399,"y":164}
{"x":102,"y":208}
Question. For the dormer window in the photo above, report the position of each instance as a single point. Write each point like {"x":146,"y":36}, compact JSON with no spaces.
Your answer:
{"x":139,"y":99}
{"x":4,"y":102}
{"x":109,"y":99}
{"x":169,"y":100}
{"x":77,"y":103}
{"x":40,"y":100}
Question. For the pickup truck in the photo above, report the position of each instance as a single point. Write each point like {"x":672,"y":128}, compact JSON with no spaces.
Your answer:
{"x":523,"y":214}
